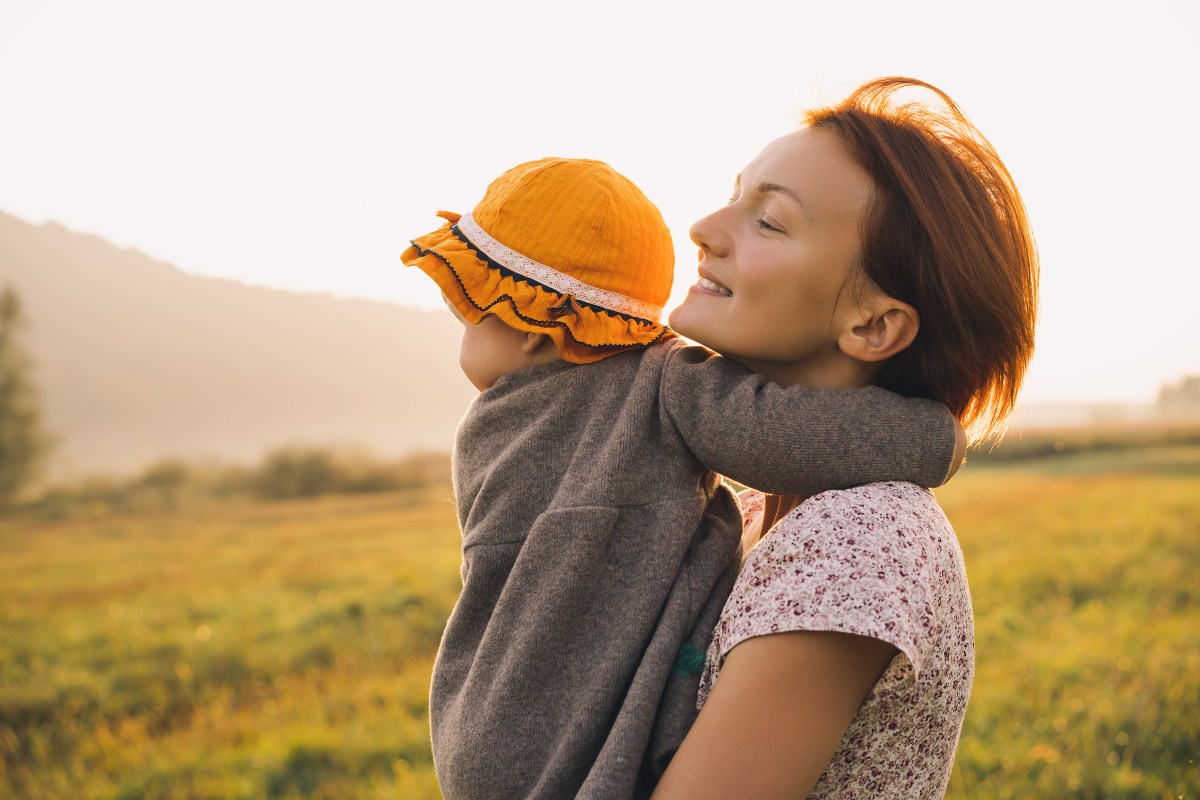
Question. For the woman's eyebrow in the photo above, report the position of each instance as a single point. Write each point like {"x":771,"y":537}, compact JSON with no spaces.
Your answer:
{"x":767,"y":188}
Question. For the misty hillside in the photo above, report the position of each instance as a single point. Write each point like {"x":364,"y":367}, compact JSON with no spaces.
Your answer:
{"x":137,"y":360}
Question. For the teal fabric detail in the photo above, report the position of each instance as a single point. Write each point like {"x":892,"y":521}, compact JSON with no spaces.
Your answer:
{"x":688,"y":661}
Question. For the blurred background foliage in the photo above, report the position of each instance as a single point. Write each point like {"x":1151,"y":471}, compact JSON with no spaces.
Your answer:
{"x":292,"y":472}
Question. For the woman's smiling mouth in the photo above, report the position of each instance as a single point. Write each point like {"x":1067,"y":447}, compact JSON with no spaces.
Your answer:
{"x":712,"y":286}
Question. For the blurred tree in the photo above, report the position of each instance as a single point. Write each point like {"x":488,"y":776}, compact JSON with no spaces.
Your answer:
{"x":1181,"y":397}
{"x":298,"y":471}
{"x":23,"y":442}
{"x":166,"y":479}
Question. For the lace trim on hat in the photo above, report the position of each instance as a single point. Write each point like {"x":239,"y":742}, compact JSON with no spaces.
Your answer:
{"x":552,"y":278}
{"x":661,"y":330}
{"x":519,"y":278}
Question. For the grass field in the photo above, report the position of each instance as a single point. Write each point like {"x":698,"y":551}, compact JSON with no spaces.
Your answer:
{"x":245,"y":650}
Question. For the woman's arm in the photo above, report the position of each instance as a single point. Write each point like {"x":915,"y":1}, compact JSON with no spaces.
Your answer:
{"x":776,"y":714}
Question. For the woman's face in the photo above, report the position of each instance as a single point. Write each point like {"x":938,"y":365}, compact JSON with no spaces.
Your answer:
{"x":773,"y":290}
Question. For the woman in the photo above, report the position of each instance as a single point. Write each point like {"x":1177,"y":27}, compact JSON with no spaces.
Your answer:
{"x":882,"y":243}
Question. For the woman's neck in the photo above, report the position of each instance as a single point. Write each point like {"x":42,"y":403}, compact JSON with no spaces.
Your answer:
{"x":839,"y":372}
{"x":836,"y":372}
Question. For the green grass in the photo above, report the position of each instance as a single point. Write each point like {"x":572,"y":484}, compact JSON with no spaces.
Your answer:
{"x":1084,"y":576}
{"x":249,"y":650}
{"x":238,"y":651}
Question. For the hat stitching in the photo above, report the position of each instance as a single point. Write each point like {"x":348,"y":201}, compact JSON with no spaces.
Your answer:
{"x":561,"y":282}
{"x":509,"y":273}
{"x":663,"y":329}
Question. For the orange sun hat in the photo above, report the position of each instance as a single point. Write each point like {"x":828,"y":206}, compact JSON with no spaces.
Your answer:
{"x":566,"y":247}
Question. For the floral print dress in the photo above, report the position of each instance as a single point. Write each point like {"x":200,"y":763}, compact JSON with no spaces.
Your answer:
{"x":879,"y":560}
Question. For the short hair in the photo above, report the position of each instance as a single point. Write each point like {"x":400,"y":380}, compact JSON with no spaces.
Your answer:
{"x":947,"y":233}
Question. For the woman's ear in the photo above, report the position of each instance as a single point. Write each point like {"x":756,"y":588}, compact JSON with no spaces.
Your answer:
{"x":883,"y":327}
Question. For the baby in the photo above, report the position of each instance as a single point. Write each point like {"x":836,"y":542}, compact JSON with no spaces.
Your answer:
{"x":599,"y":542}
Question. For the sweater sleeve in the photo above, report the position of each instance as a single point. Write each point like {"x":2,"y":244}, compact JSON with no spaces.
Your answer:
{"x":796,"y":440}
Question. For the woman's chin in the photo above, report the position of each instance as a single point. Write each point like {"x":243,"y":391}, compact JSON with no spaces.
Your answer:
{"x":687,"y":320}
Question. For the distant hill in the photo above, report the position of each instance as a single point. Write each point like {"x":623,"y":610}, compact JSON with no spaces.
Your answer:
{"x":139,"y":361}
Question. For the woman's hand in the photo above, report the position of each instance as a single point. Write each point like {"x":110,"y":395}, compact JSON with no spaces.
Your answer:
{"x":775,"y":716}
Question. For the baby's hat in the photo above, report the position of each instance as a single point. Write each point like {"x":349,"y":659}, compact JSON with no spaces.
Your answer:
{"x":565,"y":247}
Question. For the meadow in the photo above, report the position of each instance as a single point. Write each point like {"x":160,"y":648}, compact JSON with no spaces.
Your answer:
{"x":248,"y":648}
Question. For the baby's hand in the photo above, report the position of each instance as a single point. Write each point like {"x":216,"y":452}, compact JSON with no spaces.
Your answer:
{"x":960,"y":449}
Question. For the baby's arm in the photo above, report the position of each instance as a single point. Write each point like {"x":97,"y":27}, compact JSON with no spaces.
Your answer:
{"x":795,"y":440}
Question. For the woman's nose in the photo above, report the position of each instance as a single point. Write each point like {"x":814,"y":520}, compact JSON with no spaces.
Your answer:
{"x":709,"y":235}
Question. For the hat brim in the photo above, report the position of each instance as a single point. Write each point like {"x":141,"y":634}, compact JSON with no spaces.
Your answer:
{"x":477,"y":286}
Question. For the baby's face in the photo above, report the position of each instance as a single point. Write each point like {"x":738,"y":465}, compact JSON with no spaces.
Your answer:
{"x":490,"y":349}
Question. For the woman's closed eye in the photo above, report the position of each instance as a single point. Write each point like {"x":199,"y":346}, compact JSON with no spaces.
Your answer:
{"x":766,"y":223}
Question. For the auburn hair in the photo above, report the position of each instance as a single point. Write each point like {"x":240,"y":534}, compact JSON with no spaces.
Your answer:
{"x":947,"y":233}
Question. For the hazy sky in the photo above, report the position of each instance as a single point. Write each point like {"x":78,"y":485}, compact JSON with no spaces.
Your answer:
{"x":300,"y":144}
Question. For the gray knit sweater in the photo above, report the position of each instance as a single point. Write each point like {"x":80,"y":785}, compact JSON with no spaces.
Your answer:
{"x":598,"y":540}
